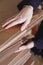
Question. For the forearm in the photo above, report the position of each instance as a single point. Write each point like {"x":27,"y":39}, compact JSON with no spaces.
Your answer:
{"x":33,"y":3}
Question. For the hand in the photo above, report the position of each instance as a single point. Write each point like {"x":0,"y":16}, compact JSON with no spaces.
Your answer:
{"x":28,"y":46}
{"x":24,"y":16}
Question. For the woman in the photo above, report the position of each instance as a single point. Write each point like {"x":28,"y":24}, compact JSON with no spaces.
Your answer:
{"x":26,"y":8}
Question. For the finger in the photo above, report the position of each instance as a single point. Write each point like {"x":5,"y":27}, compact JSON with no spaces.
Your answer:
{"x":10,"y":20}
{"x":28,"y":46}
{"x":19,"y":21}
{"x":21,"y":48}
{"x":26,"y":23}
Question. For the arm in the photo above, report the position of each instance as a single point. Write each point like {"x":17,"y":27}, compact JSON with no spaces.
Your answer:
{"x":35,"y":42}
{"x":33,"y":3}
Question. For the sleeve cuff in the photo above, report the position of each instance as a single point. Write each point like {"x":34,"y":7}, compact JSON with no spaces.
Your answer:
{"x":33,"y":3}
{"x":38,"y":43}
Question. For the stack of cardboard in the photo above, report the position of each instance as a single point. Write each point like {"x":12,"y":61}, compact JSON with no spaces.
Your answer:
{"x":13,"y":38}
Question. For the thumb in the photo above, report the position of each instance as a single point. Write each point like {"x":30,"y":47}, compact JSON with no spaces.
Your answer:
{"x":21,"y":48}
{"x":26,"y":23}
{"x":28,"y":46}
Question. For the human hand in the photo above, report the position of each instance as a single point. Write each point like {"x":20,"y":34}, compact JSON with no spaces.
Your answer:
{"x":23,"y":47}
{"x":24,"y":16}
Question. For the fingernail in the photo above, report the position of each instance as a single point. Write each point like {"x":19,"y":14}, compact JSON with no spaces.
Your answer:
{"x":7,"y":27}
{"x":3,"y":26}
{"x":21,"y":49}
{"x":22,"y":29}
{"x":16,"y":51}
